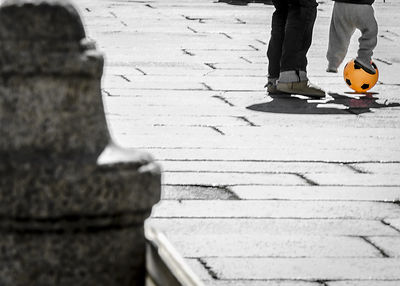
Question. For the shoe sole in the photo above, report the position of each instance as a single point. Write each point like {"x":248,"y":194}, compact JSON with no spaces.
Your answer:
{"x":316,"y":96}
{"x":367,"y":70}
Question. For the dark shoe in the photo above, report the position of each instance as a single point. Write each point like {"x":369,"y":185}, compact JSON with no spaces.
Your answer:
{"x":367,"y":67}
{"x":272,"y":89}
{"x":331,"y":69}
{"x":303,"y":88}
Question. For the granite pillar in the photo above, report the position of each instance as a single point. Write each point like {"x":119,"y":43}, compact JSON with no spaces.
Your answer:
{"x":72,"y":203}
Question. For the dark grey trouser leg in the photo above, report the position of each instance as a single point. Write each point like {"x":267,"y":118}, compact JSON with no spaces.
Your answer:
{"x":341,"y":29}
{"x":368,"y":26}
{"x":274,"y":52}
{"x":298,"y":34}
{"x":346,"y":18}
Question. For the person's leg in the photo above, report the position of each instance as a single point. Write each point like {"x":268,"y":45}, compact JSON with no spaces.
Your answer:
{"x":365,"y":21}
{"x":298,"y":34}
{"x":309,"y":14}
{"x":298,"y":38}
{"x":341,"y":30}
{"x":278,"y":24}
{"x":274,"y":51}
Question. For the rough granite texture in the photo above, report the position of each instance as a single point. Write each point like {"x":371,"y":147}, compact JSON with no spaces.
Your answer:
{"x":72,"y":204}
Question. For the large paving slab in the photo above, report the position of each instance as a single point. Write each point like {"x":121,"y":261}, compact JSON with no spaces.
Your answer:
{"x":317,"y":193}
{"x":305,"y":268}
{"x":277,"y":209}
{"x":277,"y":246}
{"x":283,"y":226}
{"x":257,"y":190}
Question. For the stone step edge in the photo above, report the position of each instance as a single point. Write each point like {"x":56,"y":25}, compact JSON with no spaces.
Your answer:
{"x":164,"y":265}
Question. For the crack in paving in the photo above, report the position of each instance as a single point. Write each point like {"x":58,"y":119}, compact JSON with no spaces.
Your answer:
{"x":186,"y":52}
{"x":217,"y":130}
{"x":226,"y":35}
{"x":389,"y":63}
{"x":380,"y":250}
{"x":240,"y":21}
{"x":307,"y":180}
{"x":211,"y":65}
{"x":322,"y":282}
{"x":200,"y":20}
{"x":246,"y":60}
{"x":191,"y":29}
{"x":386,"y":38}
{"x":393,"y":33}
{"x":224,"y":100}
{"x":111,"y":32}
{"x":207,"y":267}
{"x":355,"y":169}
{"x":206,"y":86}
{"x":125,"y":78}
{"x":141,"y":71}
{"x":388,"y":84}
{"x":209,"y":72}
{"x":390,"y":225}
{"x":262,"y":42}
{"x":254,"y":48}
{"x":244,"y":118}
{"x":106,"y":92}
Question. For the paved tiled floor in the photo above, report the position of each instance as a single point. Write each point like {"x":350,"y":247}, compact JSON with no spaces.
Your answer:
{"x":257,"y":191}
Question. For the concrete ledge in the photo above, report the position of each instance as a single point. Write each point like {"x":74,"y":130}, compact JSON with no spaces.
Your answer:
{"x":165,"y":267}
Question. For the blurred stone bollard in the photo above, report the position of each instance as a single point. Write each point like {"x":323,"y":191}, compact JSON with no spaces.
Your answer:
{"x":72,"y":204}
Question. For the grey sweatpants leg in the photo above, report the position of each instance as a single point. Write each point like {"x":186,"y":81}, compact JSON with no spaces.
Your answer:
{"x":346,"y":18}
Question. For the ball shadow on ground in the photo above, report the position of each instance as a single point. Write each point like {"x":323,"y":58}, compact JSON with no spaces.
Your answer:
{"x":244,"y":2}
{"x":332,"y":104}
